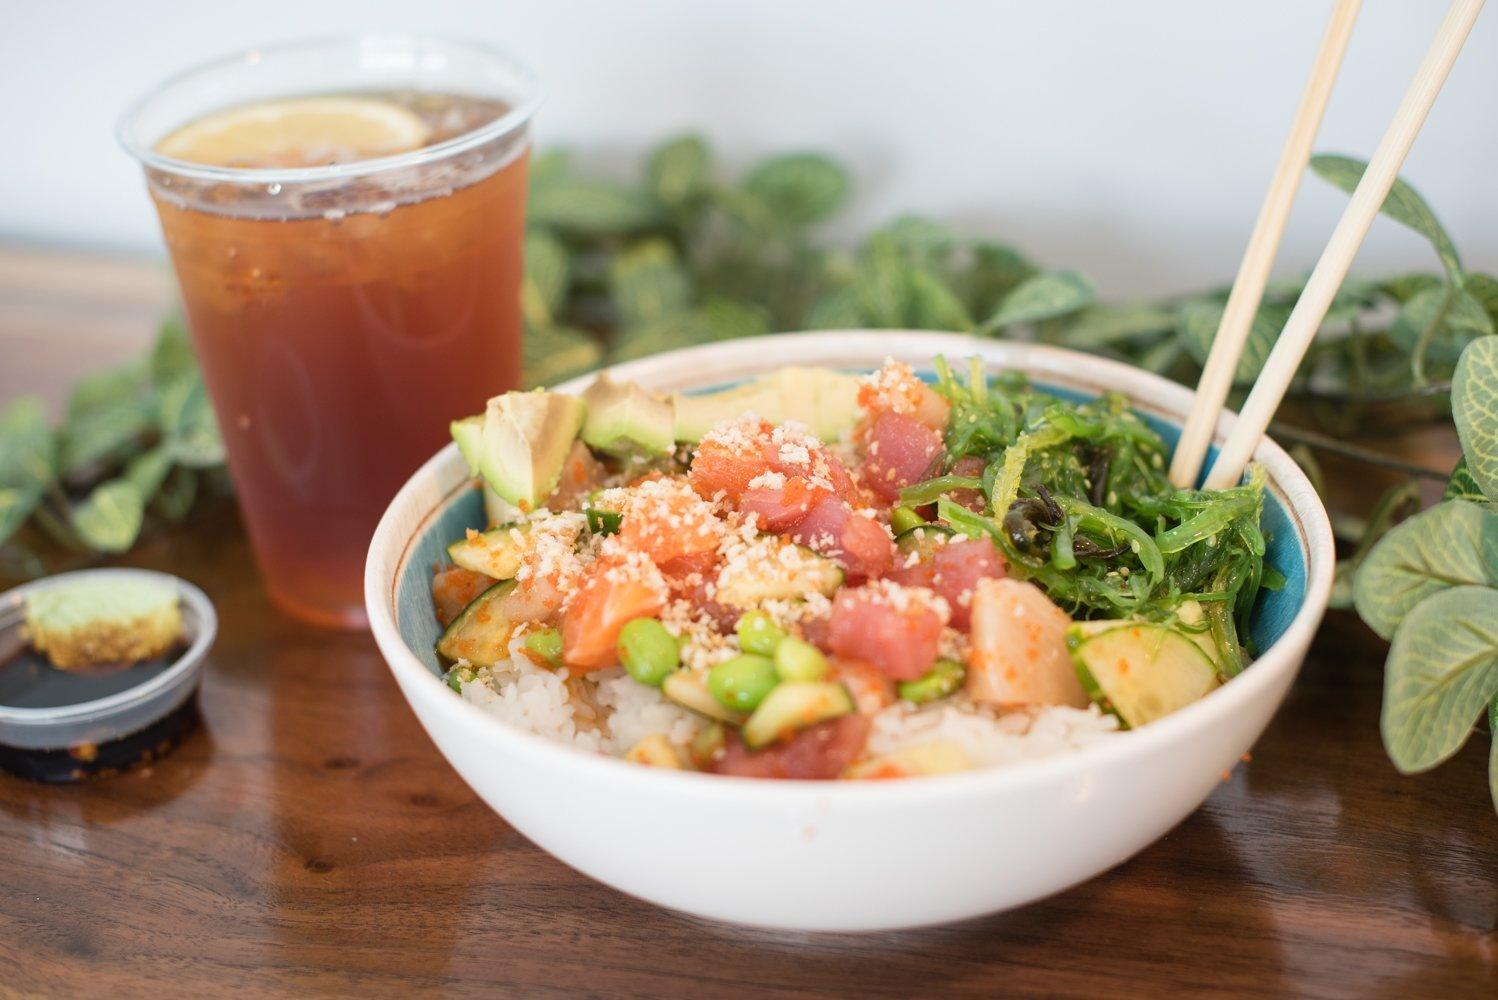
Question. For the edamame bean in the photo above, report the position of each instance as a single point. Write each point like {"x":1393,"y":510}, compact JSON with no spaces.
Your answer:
{"x":648,"y":651}
{"x":742,"y":682}
{"x":796,"y":660}
{"x":758,"y":633}
{"x":944,"y":678}
{"x":902,"y":519}
{"x":547,"y":644}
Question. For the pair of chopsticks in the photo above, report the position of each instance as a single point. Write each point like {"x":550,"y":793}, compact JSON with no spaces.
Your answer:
{"x":1330,"y":271}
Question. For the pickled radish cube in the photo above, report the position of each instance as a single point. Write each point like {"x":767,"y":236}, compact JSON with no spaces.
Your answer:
{"x":1019,"y":654}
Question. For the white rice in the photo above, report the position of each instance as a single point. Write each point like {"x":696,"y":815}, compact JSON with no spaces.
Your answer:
{"x":606,"y":712}
{"x":609,"y":712}
{"x":986,"y":737}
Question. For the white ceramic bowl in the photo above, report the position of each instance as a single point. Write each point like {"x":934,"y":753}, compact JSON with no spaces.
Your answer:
{"x":843,"y":855}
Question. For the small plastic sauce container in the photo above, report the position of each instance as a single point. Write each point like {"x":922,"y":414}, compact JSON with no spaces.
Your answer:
{"x":56,"y":726}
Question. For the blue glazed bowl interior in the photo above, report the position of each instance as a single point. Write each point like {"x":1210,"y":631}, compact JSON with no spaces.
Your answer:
{"x":1272,"y":613}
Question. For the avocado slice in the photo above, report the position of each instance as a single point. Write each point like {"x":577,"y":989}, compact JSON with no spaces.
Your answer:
{"x":792,"y":706}
{"x":627,"y":420}
{"x":526,"y":438}
{"x":694,"y":416}
{"x":825,"y":401}
{"x":469,"y":433}
{"x":822,"y":399}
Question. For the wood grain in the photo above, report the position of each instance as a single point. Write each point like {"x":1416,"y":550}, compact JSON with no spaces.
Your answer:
{"x":309,"y":840}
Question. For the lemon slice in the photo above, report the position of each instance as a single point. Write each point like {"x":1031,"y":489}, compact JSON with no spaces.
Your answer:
{"x":298,"y":132}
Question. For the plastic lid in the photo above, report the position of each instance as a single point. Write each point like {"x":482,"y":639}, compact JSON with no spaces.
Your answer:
{"x":121,"y":713}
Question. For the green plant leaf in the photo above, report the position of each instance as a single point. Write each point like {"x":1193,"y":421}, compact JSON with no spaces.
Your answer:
{"x":668,"y":334}
{"x":1403,"y":204}
{"x":177,"y":494}
{"x":799,"y":188}
{"x":1045,"y":296}
{"x":28,"y":462}
{"x":1404,"y":287}
{"x":679,"y":170}
{"x":836,"y":310}
{"x":1461,"y":485}
{"x":148,"y":470}
{"x":933,"y":305}
{"x":1439,"y":322}
{"x":749,"y":216}
{"x":547,"y":166}
{"x":1484,"y":289}
{"x":557,"y":353}
{"x":1397,"y":505}
{"x":881,"y":286}
{"x":589,"y":206}
{"x":1452,"y":544}
{"x":717,"y":319}
{"x":187,"y":424}
{"x":1474,"y":408}
{"x":996,"y":271}
{"x":1441,"y":675}
{"x":1493,"y":750}
{"x":544,"y":289}
{"x":28,"y":448}
{"x":16,"y":505}
{"x":110,"y":519}
{"x":921,"y":239}
{"x":1355,"y":297}
{"x":108,"y":389}
{"x":108,"y":412}
{"x":172,"y":354}
{"x":1199,"y":320}
{"x":726,"y":319}
{"x":1098,"y":326}
{"x":649,"y":284}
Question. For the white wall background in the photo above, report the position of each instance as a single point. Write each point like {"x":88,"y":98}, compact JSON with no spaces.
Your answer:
{"x":1131,"y":139}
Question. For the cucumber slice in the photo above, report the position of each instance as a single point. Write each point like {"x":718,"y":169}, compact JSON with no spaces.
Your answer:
{"x":495,"y":553}
{"x":791,"y":707}
{"x":923,"y":539}
{"x":690,"y":691}
{"x":780,"y":571}
{"x":1139,"y":671}
{"x":481,"y":632}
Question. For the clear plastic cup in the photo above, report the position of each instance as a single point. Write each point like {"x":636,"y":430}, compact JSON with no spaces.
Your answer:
{"x":343,"y":314}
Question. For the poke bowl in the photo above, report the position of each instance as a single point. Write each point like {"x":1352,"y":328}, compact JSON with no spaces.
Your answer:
{"x":1047,"y":796}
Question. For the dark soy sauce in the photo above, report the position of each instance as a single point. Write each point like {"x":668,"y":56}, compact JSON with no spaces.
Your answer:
{"x":28,"y":680}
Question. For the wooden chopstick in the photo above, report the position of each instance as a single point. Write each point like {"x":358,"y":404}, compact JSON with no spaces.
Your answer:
{"x":1263,"y":244}
{"x":1305,"y":319}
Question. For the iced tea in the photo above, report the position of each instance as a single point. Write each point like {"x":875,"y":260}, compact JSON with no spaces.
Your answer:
{"x":341,"y":320}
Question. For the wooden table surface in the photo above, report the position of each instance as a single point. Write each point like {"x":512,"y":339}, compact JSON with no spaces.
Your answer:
{"x":308,"y":838}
